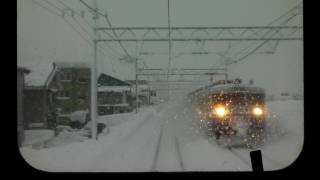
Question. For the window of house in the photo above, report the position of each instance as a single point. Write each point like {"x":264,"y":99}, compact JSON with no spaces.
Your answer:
{"x":66,"y":75}
{"x":63,"y":95}
{"x":83,"y":79}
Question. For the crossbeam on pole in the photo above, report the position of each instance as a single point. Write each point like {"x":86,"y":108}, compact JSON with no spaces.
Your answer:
{"x":197,"y":27}
{"x":201,"y":39}
{"x":176,"y":69}
{"x":179,"y":74}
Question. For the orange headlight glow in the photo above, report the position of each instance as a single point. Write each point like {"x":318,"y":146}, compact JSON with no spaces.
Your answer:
{"x":257,"y":111}
{"x":219,"y":111}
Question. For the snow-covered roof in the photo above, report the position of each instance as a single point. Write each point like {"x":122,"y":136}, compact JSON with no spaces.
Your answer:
{"x":38,"y":76}
{"x":42,"y":75}
{"x":235,"y":88}
{"x":72,"y":64}
{"x":23,"y":69}
{"x":114,"y":88}
{"x":140,"y":82}
{"x":105,"y":80}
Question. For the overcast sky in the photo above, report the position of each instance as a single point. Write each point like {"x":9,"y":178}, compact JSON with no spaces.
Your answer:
{"x":44,"y":37}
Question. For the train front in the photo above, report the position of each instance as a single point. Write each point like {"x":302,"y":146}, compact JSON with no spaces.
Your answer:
{"x":237,"y":112}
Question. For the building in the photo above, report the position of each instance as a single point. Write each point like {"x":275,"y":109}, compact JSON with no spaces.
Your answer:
{"x":38,"y":103}
{"x":64,"y":90}
{"x":71,"y":81}
{"x":114,"y":95}
{"x":21,"y":72}
{"x":146,"y":94}
{"x":39,"y":98}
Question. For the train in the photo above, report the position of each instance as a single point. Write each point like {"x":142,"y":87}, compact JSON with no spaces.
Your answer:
{"x":233,"y":111}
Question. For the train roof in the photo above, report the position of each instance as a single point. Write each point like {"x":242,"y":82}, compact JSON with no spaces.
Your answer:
{"x":229,"y":88}
{"x":235,"y":88}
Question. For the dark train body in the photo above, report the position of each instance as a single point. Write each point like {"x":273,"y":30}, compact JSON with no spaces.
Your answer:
{"x":232,"y":110}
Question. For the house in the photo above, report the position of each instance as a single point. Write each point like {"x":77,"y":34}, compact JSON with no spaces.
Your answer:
{"x":21,"y":72}
{"x":38,"y":103}
{"x":71,"y":81}
{"x":38,"y":98}
{"x":145,"y":92}
{"x":65,"y":89}
{"x":114,"y":95}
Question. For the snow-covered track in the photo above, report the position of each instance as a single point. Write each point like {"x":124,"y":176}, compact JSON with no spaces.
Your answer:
{"x":179,"y":153}
{"x":156,"y":154}
{"x":156,"y":165}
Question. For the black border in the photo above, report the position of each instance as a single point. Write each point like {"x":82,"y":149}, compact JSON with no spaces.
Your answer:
{"x":18,"y":166}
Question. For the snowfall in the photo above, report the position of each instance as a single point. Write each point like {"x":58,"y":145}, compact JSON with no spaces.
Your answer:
{"x":163,"y":138}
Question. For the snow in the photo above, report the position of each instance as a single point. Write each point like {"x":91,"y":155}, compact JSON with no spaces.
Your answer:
{"x":78,"y":116}
{"x":114,"y":88}
{"x":165,"y":138}
{"x":284,"y":150}
{"x":114,"y":105}
{"x":229,"y":88}
{"x":38,"y":76}
{"x":64,"y":64}
{"x":36,"y":125}
{"x":40,"y":73}
{"x":37,"y":136}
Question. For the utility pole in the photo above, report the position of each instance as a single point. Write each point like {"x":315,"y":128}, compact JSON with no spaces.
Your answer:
{"x":169,"y":34}
{"x":94,"y":80}
{"x":136,"y":69}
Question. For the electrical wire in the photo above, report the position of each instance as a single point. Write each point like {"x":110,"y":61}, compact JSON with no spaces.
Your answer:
{"x":109,"y":23}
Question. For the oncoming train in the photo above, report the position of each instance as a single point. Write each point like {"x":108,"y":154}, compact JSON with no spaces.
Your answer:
{"x":233,"y":110}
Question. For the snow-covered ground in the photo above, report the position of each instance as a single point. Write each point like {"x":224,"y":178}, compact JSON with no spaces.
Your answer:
{"x":164,"y":138}
{"x":35,"y":136}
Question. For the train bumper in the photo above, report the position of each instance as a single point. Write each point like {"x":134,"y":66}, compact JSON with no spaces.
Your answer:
{"x":241,"y":126}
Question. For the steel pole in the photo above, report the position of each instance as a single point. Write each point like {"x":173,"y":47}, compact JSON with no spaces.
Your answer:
{"x":94,"y":85}
{"x":136,"y":68}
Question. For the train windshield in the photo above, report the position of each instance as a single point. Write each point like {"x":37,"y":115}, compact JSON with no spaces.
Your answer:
{"x":238,"y":98}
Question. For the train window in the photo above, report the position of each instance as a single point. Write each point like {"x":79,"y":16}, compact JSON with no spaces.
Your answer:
{"x":167,"y":85}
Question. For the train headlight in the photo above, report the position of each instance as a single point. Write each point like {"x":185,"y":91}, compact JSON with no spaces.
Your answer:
{"x":257,"y":111}
{"x":220,"y":111}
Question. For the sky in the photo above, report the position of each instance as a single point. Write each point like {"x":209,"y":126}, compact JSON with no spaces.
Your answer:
{"x":44,"y":37}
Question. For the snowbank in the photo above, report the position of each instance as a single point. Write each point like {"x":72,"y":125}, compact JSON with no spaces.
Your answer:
{"x":79,"y":116}
{"x":37,"y":136}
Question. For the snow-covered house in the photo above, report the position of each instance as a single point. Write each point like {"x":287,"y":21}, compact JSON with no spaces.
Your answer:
{"x":114,"y":95}
{"x":38,"y":103}
{"x":71,"y":80}
{"x":21,"y":72}
{"x":66,"y":88}
{"x":38,"y":98}
{"x":145,"y":92}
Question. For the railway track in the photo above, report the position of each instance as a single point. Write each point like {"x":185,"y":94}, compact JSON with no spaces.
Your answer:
{"x":175,"y":145}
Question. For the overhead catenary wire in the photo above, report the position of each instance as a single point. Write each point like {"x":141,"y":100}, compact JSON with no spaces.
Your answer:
{"x":270,"y":30}
{"x":46,"y":8}
{"x":115,"y":54}
{"x":224,"y":55}
{"x":102,"y":50}
{"x":259,"y":46}
{"x":109,"y":23}
{"x":79,"y":24}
